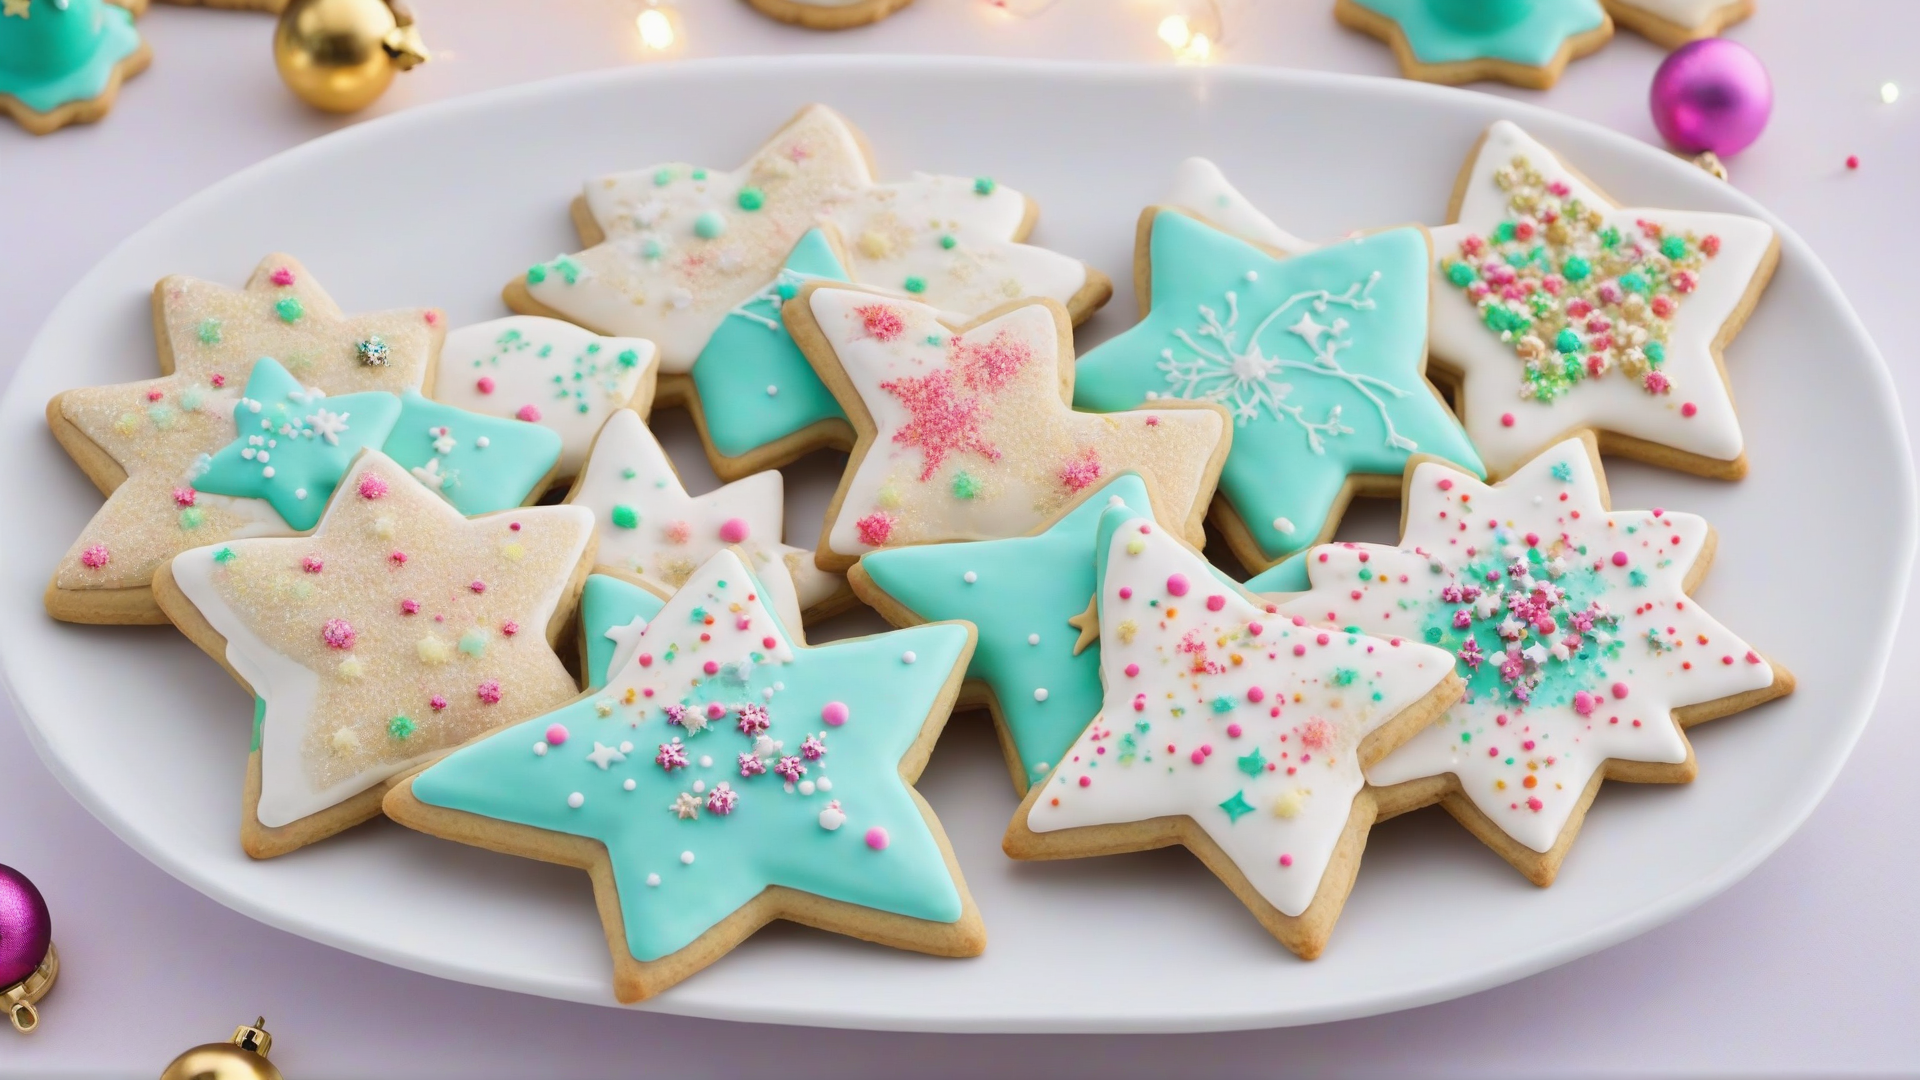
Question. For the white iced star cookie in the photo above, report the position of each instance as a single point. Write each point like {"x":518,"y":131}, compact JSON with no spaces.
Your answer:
{"x":547,"y":372}
{"x":650,"y":527}
{"x":829,"y":14}
{"x":1235,"y":731}
{"x":1673,"y":23}
{"x":1563,"y":313}
{"x":966,"y":433}
{"x":394,"y":632}
{"x":1201,"y":188}
{"x":674,"y":248}
{"x":1583,"y":655}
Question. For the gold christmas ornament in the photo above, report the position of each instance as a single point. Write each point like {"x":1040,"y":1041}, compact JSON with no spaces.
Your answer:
{"x":244,"y":1057}
{"x":340,"y":55}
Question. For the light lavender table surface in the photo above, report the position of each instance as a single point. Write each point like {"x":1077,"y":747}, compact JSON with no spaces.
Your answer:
{"x":1811,"y":966}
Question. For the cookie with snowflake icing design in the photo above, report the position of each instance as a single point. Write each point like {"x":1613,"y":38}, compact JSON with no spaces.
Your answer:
{"x":547,"y":372}
{"x":1037,"y":665}
{"x":143,"y":443}
{"x":395,"y":631}
{"x":650,"y":526}
{"x":724,"y":777}
{"x":1320,"y":358}
{"x":674,"y":248}
{"x":1524,"y":42}
{"x":1571,"y":624}
{"x":829,"y":14}
{"x":1561,"y":312}
{"x":1673,"y":23}
{"x":965,"y":433}
{"x":1231,"y":730}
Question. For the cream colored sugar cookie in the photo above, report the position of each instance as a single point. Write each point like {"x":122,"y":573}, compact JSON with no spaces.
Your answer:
{"x":966,"y":433}
{"x":143,"y":443}
{"x":394,"y":632}
{"x":1673,"y":23}
{"x":829,"y":14}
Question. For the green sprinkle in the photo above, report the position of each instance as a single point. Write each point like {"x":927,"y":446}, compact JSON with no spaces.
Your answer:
{"x":1635,"y":282}
{"x":1673,"y":247}
{"x":1237,"y":807}
{"x":628,"y":473}
{"x":626,"y":516}
{"x":948,"y":241}
{"x":1656,"y":352}
{"x":1576,"y":268}
{"x":628,"y":358}
{"x":1434,"y":634}
{"x":1610,"y":237}
{"x":209,"y":331}
{"x":536,"y":274}
{"x":1567,"y":341}
{"x":662,"y":177}
{"x":1503,"y":232}
{"x":569,"y":269}
{"x":1344,"y":676}
{"x":1466,"y":736}
{"x":1636,"y":577}
{"x":1460,"y":274}
{"x":192,"y":518}
{"x":1253,"y":764}
{"x":915,"y":285}
{"x":1563,"y":472}
{"x":709,"y":225}
{"x":1222,"y":704}
{"x":984,"y":185}
{"x":965,"y":485}
{"x":752,"y":198}
{"x":651,"y":249}
{"x":474,"y":642}
{"x":1366,"y":574}
{"x":400,"y":727}
{"x":699,"y":174}
{"x":224,"y":555}
{"x":290,"y":309}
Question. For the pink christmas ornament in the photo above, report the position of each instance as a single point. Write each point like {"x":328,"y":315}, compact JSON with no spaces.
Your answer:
{"x":1712,"y":94}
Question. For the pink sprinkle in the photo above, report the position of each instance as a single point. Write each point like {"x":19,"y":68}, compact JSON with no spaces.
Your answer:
{"x":1216,"y":602}
{"x":733,"y":531}
{"x":1234,"y":730}
{"x":877,"y":838}
{"x":528,"y":413}
{"x":1534,"y":804}
{"x":95,"y":557}
{"x":409,"y":607}
{"x":715,"y":710}
{"x":1299,"y":650}
{"x":312,"y":564}
{"x":768,"y":642}
{"x":557,"y":735}
{"x":1086,"y":781}
{"x":478,"y":586}
{"x":509,"y":628}
{"x":1079,"y":473}
{"x":1506,"y":419}
{"x":399,"y":558}
{"x":437,"y":703}
{"x":1583,"y":703}
{"x":1286,"y":860}
{"x":1197,"y":757}
{"x":337,"y":633}
{"x":183,"y":496}
{"x":485,"y":385}
{"x":1619,"y":558}
{"x":881,"y":321}
{"x":1321,"y":639}
{"x":154,"y":395}
{"x":833,"y":713}
{"x":711,"y":667}
{"x":1619,"y":690}
{"x":1126,"y":592}
{"x":1689,"y":409}
{"x":742,"y":622}
{"x":875,"y":528}
{"x":646,"y":659}
{"x":1254,"y":629}
{"x":283,"y":277}
{"x":1256,"y":695}
{"x":1177,"y":584}
{"x":371,"y":486}
{"x":432,"y":317}
{"x":1133,"y":671}
{"x":1445,"y":485}
{"x":489,"y":692}
{"x":513,"y":527}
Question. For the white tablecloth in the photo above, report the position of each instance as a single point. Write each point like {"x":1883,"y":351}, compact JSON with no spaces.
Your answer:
{"x":1812,"y":965}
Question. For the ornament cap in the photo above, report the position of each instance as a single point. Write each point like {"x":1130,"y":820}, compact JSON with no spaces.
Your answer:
{"x":254,"y":1038}
{"x":19,"y":998}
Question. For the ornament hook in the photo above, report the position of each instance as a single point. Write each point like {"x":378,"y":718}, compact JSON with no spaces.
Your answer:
{"x":19,"y":998}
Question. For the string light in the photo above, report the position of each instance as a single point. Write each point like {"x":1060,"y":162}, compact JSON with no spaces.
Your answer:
{"x":1889,"y":93}
{"x":1191,"y":45}
{"x":1173,"y":31}
{"x":656,"y":30}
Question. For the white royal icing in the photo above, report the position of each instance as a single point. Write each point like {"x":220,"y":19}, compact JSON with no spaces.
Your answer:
{"x":552,"y":373}
{"x":1200,"y":186}
{"x":672,"y":533}
{"x":1634,"y":565}
{"x":1247,"y":722}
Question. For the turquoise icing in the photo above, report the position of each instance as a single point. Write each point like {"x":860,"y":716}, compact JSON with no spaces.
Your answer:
{"x":772,"y":837}
{"x":475,"y":479}
{"x":607,"y":602}
{"x":751,"y":351}
{"x":62,"y":53}
{"x":1559,"y":680}
{"x":1318,"y":358}
{"x":1528,"y":32}
{"x":305,"y":438}
{"x":1023,"y":585}
{"x":1288,"y":576}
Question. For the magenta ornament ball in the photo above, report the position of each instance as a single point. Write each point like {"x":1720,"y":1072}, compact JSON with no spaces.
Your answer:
{"x":1712,"y":94}
{"x":26,"y":927}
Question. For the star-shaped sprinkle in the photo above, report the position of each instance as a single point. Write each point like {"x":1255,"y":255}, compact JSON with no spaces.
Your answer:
{"x":294,"y":443}
{"x":1463,"y":41}
{"x":650,"y":526}
{"x":1023,"y":595}
{"x":395,"y":608}
{"x":546,"y":372}
{"x":1562,"y":312}
{"x":1572,"y":627}
{"x":478,"y":463}
{"x":801,"y":780}
{"x":142,"y":441}
{"x":678,"y":247}
{"x":614,"y":612}
{"x":966,"y":434}
{"x":1202,"y":682}
{"x":1320,"y":358}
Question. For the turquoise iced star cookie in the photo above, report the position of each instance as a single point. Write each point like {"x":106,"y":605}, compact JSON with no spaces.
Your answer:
{"x":1019,"y":594}
{"x":479,"y":463}
{"x":1524,"y":42}
{"x":62,"y":61}
{"x":295,"y":443}
{"x":613,"y":613}
{"x":753,"y":387}
{"x":1319,"y":357}
{"x":726,"y":776}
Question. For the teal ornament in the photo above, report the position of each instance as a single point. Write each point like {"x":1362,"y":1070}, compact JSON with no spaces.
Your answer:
{"x":851,"y":832}
{"x":754,"y":384}
{"x":1022,"y":586}
{"x":60,"y":52}
{"x":295,"y":444}
{"x":1318,"y":357}
{"x":1530,"y":33}
{"x":612,"y":612}
{"x":478,"y":463}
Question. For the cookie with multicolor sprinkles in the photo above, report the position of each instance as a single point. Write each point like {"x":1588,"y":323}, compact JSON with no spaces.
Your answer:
{"x":397,"y":630}
{"x":725,"y":776}
{"x":1584,"y":656}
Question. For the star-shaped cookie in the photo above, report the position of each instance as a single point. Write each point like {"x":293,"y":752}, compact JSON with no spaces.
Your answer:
{"x":965,"y":433}
{"x":1562,"y":312}
{"x":1461,"y":41}
{"x":1232,"y":730}
{"x":65,"y":59}
{"x":1022,"y":593}
{"x":674,"y":248}
{"x":1673,"y":23}
{"x":650,"y":526}
{"x":140,"y":442}
{"x":547,"y":372}
{"x":725,"y":777}
{"x":394,"y":632}
{"x":1320,"y":357}
{"x":1583,"y":655}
